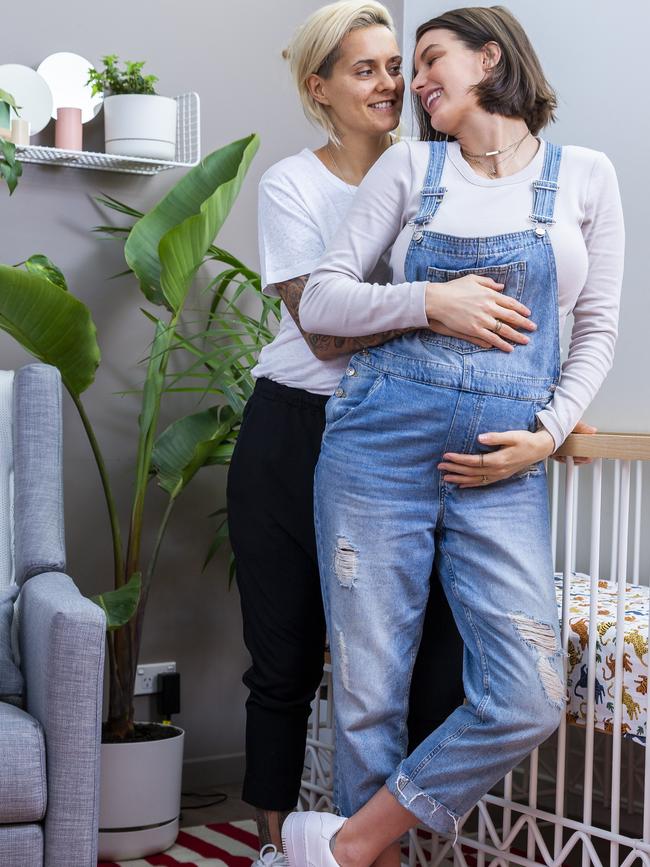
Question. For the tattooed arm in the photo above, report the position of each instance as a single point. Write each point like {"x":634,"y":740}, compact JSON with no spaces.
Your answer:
{"x":325,"y":346}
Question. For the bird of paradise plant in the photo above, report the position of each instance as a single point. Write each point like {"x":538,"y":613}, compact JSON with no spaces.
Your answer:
{"x":164,"y":249}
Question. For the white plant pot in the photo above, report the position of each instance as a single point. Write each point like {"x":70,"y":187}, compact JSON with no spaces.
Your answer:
{"x":140,"y":797}
{"x":140,"y":125}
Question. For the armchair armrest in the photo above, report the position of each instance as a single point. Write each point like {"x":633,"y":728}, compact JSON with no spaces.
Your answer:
{"x":62,"y":638}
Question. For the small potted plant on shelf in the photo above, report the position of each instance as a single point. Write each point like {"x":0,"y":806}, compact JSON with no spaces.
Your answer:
{"x":137,"y":121}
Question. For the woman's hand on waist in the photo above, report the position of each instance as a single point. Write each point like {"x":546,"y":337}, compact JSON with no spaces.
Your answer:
{"x":473,"y":306}
{"x":517,"y":450}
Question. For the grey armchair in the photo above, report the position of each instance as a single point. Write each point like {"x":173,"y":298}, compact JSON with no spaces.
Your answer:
{"x":49,"y":751}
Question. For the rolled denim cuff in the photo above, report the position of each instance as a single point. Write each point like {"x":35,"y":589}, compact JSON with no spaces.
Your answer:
{"x":430,"y":812}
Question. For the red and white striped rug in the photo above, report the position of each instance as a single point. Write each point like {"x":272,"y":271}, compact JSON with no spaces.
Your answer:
{"x":230,"y":844}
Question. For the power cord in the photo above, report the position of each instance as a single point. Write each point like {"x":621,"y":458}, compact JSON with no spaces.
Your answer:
{"x":221,"y":798}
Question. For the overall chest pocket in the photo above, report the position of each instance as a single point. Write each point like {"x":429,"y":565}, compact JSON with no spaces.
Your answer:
{"x":513,"y":276}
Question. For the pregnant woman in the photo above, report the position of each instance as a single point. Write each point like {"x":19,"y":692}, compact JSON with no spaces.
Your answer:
{"x":434,"y":447}
{"x":347,"y":67}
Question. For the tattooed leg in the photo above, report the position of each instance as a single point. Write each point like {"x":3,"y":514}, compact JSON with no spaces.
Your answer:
{"x":269,"y":826}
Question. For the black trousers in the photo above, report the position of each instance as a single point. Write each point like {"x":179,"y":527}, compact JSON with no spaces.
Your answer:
{"x":270,"y":514}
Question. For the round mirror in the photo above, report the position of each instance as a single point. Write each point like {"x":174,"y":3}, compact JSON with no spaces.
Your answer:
{"x":30,"y":92}
{"x":67,"y":76}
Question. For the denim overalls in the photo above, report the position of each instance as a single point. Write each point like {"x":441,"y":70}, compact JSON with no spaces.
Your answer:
{"x":383,"y":514}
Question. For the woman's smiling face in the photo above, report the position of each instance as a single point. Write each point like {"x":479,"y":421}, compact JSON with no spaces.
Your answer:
{"x":445,"y":74}
{"x":365,"y":90}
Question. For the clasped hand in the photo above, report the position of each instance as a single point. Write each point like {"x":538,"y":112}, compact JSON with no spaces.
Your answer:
{"x":470,"y":307}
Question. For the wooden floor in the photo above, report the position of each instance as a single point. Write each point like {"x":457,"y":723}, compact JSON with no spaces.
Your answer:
{"x":231,"y":810}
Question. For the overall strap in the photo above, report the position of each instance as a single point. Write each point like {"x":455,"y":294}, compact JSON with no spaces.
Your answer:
{"x":545,"y":189}
{"x":432,"y":192}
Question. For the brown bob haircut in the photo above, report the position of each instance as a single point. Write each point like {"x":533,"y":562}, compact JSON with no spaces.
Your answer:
{"x":515,"y":87}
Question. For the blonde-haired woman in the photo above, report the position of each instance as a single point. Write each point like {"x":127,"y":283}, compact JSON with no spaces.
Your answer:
{"x":346,"y":64}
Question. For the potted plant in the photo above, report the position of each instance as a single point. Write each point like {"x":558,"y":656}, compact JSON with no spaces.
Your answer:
{"x":164,"y":249}
{"x":10,"y":168}
{"x":223,"y":355}
{"x":137,"y":121}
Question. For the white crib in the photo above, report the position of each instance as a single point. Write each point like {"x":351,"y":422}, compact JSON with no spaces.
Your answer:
{"x":583,"y":797}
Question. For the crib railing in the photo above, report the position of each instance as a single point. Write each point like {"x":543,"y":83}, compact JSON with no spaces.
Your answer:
{"x":582,"y":798}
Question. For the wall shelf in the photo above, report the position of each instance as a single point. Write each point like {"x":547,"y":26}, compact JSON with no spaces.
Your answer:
{"x":188,"y":148}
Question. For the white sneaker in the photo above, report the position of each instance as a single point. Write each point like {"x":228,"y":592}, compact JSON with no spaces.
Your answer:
{"x":306,"y":838}
{"x":270,"y":857}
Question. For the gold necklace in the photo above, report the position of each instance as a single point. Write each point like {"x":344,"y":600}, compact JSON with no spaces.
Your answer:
{"x":495,"y":153}
{"x":492,"y":171}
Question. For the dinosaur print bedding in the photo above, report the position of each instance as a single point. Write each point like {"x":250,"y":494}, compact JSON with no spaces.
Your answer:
{"x":635,"y":655}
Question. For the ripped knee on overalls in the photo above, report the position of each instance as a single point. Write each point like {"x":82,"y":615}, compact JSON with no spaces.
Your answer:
{"x":346,"y":562}
{"x":542,"y":638}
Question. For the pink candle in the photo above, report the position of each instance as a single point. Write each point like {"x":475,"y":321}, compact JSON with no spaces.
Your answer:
{"x":68,"y":129}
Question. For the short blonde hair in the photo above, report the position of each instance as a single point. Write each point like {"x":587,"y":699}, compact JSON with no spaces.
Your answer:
{"x":316,"y":45}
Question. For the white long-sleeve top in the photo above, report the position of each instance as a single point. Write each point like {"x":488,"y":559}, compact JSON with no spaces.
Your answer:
{"x":587,"y":239}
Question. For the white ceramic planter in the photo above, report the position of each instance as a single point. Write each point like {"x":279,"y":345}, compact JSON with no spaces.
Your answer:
{"x":140,"y":125}
{"x":140,"y":797}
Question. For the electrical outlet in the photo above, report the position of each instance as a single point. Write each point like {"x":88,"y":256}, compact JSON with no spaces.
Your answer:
{"x":146,"y":676}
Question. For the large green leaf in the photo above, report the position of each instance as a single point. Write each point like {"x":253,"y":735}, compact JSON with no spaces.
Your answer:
{"x":166,"y":247}
{"x":52,"y":325}
{"x":187,"y":445}
{"x":120,"y":605}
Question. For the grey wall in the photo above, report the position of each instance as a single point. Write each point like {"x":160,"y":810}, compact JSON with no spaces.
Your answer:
{"x":596,"y":60}
{"x":230,"y":54}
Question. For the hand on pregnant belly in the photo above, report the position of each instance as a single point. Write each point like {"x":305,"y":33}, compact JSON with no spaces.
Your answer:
{"x":473,"y":306}
{"x":516,"y":450}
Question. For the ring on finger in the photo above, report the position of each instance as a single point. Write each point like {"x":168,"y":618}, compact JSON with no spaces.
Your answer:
{"x":484,"y":480}
{"x":498,"y":326}
{"x":480,"y":462}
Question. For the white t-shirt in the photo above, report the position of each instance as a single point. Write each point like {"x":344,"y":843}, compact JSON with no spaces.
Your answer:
{"x":587,"y":240}
{"x":301,"y":204}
